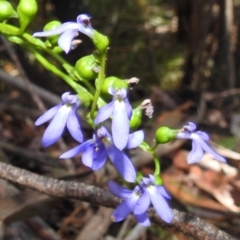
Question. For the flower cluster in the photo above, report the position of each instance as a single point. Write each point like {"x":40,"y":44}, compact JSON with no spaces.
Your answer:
{"x":110,"y":143}
{"x":139,"y":199}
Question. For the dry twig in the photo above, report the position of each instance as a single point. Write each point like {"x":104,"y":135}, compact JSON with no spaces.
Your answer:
{"x":184,"y":222}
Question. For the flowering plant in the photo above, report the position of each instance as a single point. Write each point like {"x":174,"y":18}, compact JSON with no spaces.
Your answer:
{"x":107,"y":142}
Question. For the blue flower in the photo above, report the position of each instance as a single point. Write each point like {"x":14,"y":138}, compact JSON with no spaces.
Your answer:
{"x":64,"y":114}
{"x":95,"y":152}
{"x":69,"y":31}
{"x":121,"y":112}
{"x":139,"y":200}
{"x":199,"y":144}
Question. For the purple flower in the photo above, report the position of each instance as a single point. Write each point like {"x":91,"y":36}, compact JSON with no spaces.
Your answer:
{"x":121,"y":112}
{"x":69,"y":31}
{"x":95,"y":152}
{"x":139,"y":200}
{"x":199,"y":144}
{"x":64,"y":114}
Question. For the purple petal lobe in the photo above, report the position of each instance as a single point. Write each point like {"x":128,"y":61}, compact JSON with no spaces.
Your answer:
{"x":122,"y":211}
{"x":58,"y":30}
{"x":163,"y":192}
{"x":104,"y":113}
{"x":74,"y":126}
{"x":128,"y":109}
{"x":143,"y":219}
{"x":122,"y":163}
{"x":196,"y":153}
{"x":142,"y":204}
{"x":87,"y":157}
{"x":65,"y":40}
{"x":100,"y":158}
{"x":135,"y":139}
{"x":207,"y":148}
{"x":75,"y":151}
{"x":120,"y":125}
{"x":202,"y":135}
{"x":191,"y":127}
{"x":118,"y":190}
{"x":56,"y":127}
{"x":160,"y":204}
{"x":47,"y":115}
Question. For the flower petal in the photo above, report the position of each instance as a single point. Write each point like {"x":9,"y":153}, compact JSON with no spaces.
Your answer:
{"x":87,"y":157}
{"x":143,"y":219}
{"x":191,"y":127}
{"x":207,"y":148}
{"x":49,"y":114}
{"x":73,"y":126}
{"x":122,"y":163}
{"x":122,"y":211}
{"x":104,"y":113}
{"x":99,"y":158}
{"x":135,"y":139}
{"x":56,"y":126}
{"x":160,"y":204}
{"x":58,"y":30}
{"x":120,"y":125}
{"x":128,"y":108}
{"x":196,"y":153}
{"x":163,"y":192}
{"x":142,"y":204}
{"x":118,"y":190}
{"x":65,"y":40}
{"x":204,"y":136}
{"x":77,"y":150}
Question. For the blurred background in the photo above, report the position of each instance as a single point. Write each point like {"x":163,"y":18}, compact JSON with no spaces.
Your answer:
{"x":187,"y":55}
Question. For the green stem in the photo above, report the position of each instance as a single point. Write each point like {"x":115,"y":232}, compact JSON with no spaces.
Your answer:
{"x":156,"y":163}
{"x":99,"y":84}
{"x":55,"y":70}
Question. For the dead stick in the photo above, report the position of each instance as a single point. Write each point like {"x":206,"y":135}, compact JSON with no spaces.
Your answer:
{"x":184,"y":222}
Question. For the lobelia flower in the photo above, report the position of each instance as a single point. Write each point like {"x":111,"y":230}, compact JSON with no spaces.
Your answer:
{"x":64,"y":114}
{"x":69,"y":31}
{"x":199,"y":143}
{"x":139,"y":199}
{"x":121,"y":112}
{"x":95,"y":152}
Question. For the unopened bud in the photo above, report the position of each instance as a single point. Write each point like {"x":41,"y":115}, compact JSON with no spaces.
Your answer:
{"x":165,"y":134}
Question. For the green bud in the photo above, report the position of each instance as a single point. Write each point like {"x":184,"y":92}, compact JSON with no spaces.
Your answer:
{"x":136,"y":118}
{"x":100,"y":41}
{"x":85,"y":67}
{"x":26,"y":10}
{"x":115,"y":82}
{"x":50,"y":26}
{"x":165,"y":134}
{"x":6,"y":11}
{"x":15,"y":39}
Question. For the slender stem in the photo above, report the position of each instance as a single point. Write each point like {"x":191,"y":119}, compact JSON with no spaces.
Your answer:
{"x":99,"y":81}
{"x":156,"y":163}
{"x":55,"y":70}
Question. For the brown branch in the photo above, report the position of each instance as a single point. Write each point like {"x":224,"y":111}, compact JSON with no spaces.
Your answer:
{"x":183,"y":222}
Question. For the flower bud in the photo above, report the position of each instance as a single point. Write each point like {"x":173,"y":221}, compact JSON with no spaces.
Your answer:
{"x":165,"y":134}
{"x":26,"y":10}
{"x":136,"y":118}
{"x":100,"y":41}
{"x":50,"y":26}
{"x":86,"y":67}
{"x":115,"y":82}
{"x":6,"y":11}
